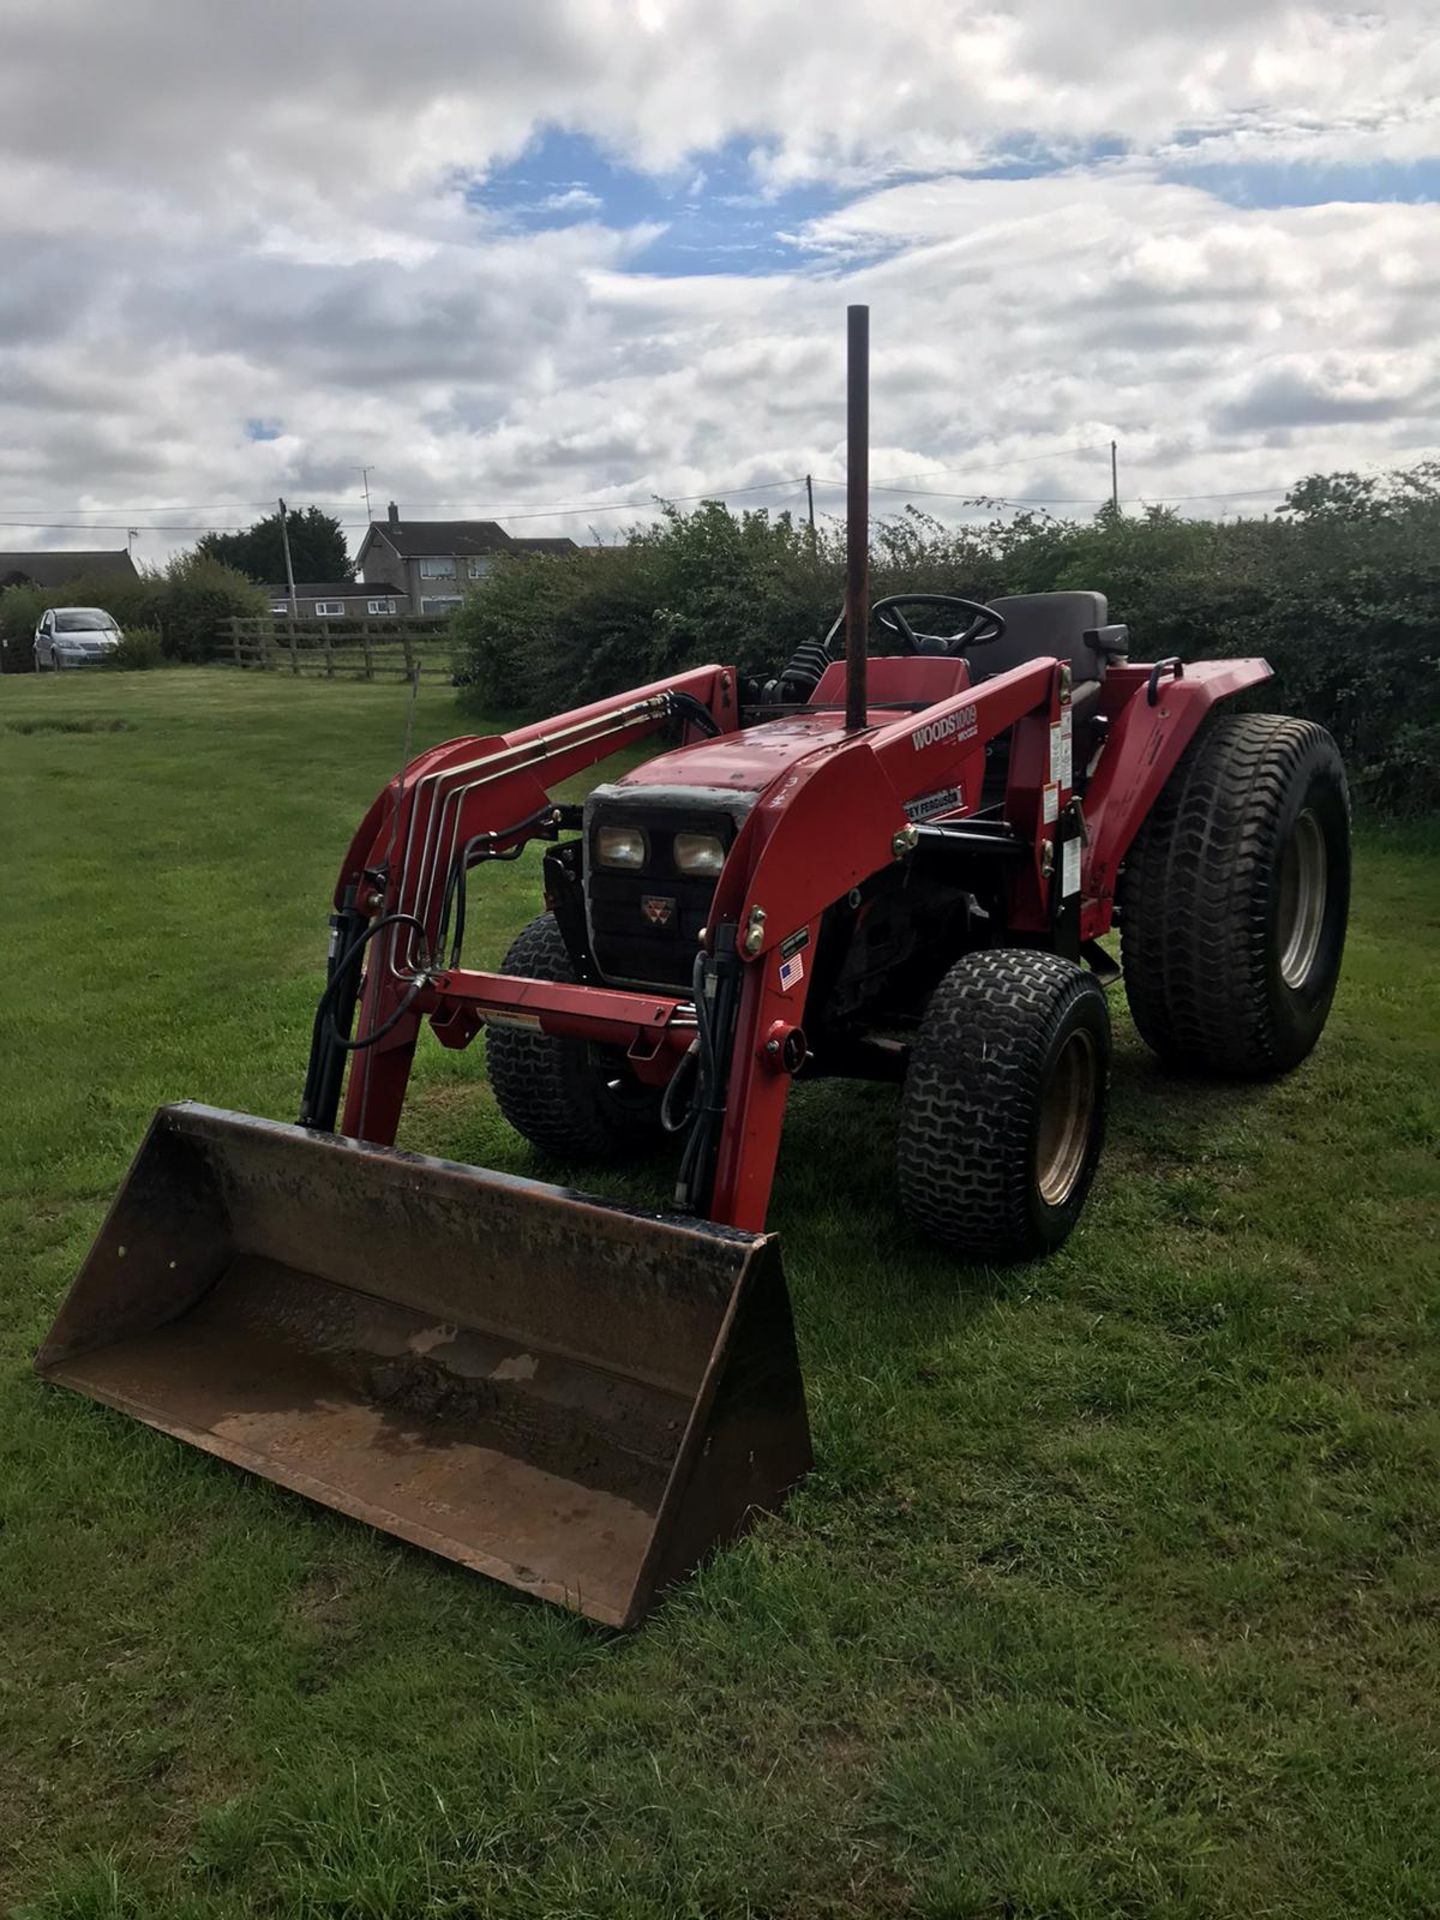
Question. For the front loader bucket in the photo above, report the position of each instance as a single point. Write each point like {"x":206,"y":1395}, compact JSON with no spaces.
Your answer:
{"x":577,"y":1398}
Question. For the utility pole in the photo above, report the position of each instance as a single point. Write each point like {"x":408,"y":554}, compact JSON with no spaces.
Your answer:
{"x":810,"y":496}
{"x":289,"y":570}
{"x":130,"y":538}
{"x":1114,"y":479}
{"x":365,"y":482}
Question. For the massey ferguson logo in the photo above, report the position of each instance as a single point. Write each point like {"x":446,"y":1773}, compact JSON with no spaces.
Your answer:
{"x":658,"y":910}
{"x":950,"y":726}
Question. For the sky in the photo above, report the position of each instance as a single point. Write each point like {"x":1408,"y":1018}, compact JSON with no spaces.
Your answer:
{"x":543,"y":262}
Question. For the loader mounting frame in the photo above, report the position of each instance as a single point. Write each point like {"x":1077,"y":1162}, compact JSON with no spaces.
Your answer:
{"x":836,"y":817}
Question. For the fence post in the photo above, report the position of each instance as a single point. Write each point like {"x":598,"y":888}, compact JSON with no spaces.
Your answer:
{"x":235,"y":641}
{"x":409,"y":653}
{"x":329,"y":653}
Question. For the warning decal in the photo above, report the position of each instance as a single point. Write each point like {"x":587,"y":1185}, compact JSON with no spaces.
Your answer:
{"x":1061,"y":769}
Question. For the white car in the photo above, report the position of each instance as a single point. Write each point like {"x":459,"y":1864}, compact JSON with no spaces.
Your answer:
{"x":75,"y":637}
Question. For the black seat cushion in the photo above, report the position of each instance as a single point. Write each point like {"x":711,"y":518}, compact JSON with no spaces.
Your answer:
{"x":1037,"y":624}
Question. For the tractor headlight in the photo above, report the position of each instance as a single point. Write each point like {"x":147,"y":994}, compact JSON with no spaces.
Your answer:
{"x":620,"y":847}
{"x":699,"y":853}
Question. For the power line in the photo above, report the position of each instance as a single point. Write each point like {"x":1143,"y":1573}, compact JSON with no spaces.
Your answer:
{"x":168,"y":506}
{"x":121,"y":526}
{"x":590,"y":506}
{"x":798,"y":484}
{"x":980,"y":497}
{"x":453,"y":506}
{"x":897,"y":484}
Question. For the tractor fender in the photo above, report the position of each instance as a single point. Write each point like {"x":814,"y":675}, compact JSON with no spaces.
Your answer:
{"x":1147,"y":738}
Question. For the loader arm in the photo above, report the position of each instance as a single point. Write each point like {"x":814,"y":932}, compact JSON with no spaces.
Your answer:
{"x":473,"y":797}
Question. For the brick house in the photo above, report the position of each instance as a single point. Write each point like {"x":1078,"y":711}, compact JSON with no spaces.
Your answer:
{"x":432,"y":562}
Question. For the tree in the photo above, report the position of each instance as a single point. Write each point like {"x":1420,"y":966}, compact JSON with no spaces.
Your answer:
{"x":1336,"y":496}
{"x":317,"y":548}
{"x":197,"y":597}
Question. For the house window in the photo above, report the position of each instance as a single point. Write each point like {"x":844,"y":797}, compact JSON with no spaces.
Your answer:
{"x":447,"y":605}
{"x":440,"y":568}
{"x":380,"y":606}
{"x":280,"y":606}
{"x":479,"y":565}
{"x":328,"y":609}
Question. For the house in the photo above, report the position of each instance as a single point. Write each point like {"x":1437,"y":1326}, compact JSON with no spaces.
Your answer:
{"x":541,"y":544}
{"x":436,"y":560}
{"x":58,"y":566}
{"x":334,"y":599}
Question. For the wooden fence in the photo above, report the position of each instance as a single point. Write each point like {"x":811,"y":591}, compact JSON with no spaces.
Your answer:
{"x":343,"y":649}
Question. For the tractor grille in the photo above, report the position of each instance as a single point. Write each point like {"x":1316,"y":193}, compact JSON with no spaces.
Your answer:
{"x":645,"y":923}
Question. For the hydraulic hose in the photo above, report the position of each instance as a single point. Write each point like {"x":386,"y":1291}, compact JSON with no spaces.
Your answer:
{"x":468,"y":857}
{"x":351,"y":958}
{"x":716,"y":986}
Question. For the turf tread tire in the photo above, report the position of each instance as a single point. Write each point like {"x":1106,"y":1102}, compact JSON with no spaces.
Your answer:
{"x":970,"y":1108}
{"x":1198,"y":939}
{"x":550,"y":1089}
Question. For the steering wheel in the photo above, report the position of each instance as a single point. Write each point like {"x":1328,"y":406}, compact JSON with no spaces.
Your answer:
{"x":984,"y":627}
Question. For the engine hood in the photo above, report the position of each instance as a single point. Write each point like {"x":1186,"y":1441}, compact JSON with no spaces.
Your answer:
{"x":735,"y":763}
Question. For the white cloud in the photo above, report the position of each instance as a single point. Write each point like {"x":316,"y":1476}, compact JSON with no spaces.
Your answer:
{"x":572,"y":200}
{"x":208,"y":233}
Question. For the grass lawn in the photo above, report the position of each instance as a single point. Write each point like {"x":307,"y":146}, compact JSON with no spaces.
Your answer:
{"x":1115,"y":1591}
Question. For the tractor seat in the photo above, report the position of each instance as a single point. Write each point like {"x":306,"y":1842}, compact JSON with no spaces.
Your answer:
{"x":1071,"y":627}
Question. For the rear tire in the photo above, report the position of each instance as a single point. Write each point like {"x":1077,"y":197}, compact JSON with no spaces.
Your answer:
{"x":566,"y":1097}
{"x":1002,"y":1118}
{"x":1236,"y":896}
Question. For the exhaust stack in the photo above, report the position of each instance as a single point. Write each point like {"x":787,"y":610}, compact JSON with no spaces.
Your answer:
{"x":857,"y":514}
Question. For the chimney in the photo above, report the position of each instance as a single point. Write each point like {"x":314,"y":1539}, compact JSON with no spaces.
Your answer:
{"x":394,"y":517}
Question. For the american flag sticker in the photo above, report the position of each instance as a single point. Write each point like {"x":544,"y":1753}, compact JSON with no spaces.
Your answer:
{"x":792,"y":972}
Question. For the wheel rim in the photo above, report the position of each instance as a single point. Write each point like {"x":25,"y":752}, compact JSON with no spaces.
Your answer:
{"x":1302,"y":900}
{"x":1066,"y":1112}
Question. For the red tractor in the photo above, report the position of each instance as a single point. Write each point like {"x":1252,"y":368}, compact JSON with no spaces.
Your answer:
{"x":898,"y":868}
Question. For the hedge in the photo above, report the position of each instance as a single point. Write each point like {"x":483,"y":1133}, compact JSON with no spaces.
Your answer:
{"x":1340,"y":592}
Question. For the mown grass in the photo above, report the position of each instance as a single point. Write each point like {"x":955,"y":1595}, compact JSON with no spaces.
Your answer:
{"x":1115,"y":1592}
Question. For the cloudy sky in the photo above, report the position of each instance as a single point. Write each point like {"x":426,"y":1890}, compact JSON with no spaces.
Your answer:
{"x":567,"y":254}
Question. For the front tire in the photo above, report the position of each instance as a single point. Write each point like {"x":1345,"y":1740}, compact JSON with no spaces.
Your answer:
{"x":1236,"y":897}
{"x":1002,"y":1118}
{"x":567,"y":1098}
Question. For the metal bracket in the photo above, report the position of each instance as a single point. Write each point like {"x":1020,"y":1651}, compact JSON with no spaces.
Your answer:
{"x":1172,"y":663}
